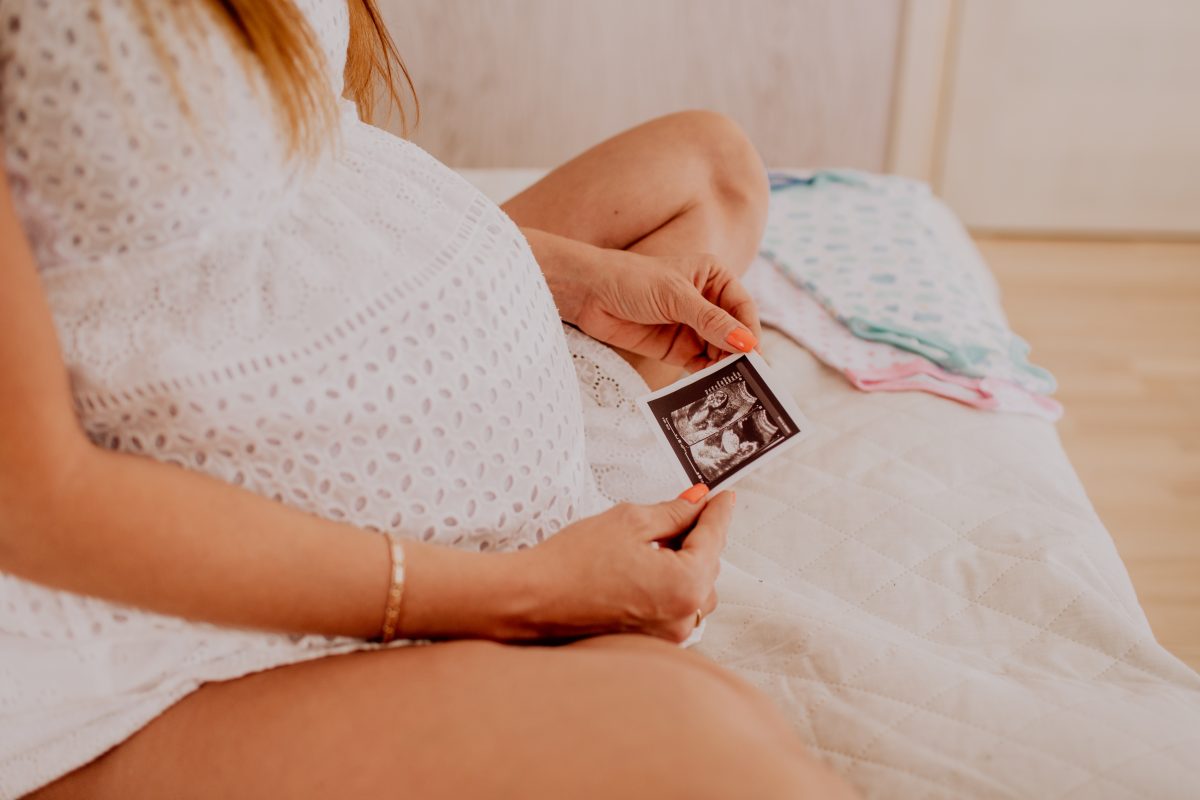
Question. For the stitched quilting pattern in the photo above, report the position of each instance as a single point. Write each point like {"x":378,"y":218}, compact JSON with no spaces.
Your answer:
{"x":927,"y":592}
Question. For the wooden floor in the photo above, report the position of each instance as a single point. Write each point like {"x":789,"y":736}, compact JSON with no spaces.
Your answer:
{"x":1119,"y":325}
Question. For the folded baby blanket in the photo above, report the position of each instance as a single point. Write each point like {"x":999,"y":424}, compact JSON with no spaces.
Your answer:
{"x":876,"y":366}
{"x":892,"y":264}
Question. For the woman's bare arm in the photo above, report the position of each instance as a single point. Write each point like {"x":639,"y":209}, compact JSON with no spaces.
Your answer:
{"x":125,"y":528}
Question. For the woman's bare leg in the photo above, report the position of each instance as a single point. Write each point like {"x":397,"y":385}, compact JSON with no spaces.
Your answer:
{"x":619,"y":716}
{"x":685,"y":183}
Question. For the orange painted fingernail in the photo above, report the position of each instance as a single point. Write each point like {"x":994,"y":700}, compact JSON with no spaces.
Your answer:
{"x":694,"y":494}
{"x":742,"y":340}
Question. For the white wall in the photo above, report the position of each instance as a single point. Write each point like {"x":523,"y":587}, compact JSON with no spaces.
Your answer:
{"x":1029,"y":116}
{"x":532,"y":82}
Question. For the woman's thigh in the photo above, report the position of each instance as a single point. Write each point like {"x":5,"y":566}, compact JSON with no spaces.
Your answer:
{"x":694,"y":163}
{"x":614,"y":717}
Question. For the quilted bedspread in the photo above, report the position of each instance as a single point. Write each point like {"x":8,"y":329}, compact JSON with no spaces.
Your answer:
{"x":926,"y":591}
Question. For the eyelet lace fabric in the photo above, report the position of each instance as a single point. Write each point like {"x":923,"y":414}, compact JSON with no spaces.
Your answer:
{"x":366,"y":338}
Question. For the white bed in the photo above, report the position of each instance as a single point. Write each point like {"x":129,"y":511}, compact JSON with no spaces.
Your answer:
{"x":926,"y":591}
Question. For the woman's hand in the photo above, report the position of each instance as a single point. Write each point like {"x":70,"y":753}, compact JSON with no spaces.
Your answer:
{"x":604,"y":574}
{"x":687,"y":310}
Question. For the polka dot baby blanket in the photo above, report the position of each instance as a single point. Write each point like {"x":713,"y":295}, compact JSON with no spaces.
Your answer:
{"x":878,"y":279}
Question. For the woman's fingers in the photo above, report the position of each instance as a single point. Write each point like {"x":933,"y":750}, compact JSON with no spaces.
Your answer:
{"x":734,"y":298}
{"x":668,"y":520}
{"x":681,"y":628}
{"x":707,"y":538}
{"x":729,"y":293}
{"x":712,"y":323}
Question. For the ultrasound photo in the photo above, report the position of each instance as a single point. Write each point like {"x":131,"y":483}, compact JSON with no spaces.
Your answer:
{"x":724,"y":420}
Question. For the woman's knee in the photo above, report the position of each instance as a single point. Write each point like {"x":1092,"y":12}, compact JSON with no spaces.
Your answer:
{"x":656,"y":655}
{"x":661,"y":721}
{"x":716,"y":735}
{"x":728,"y":158}
{"x":732,"y":746}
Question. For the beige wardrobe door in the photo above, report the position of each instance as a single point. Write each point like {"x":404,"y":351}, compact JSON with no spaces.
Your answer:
{"x":1074,"y":116}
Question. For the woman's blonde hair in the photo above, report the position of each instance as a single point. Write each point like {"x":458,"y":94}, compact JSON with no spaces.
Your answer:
{"x":275,"y":35}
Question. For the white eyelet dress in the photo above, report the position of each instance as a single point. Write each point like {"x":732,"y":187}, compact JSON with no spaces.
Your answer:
{"x":366,"y":338}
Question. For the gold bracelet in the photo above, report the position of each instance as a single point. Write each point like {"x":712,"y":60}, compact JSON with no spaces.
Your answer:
{"x":391,"y":612}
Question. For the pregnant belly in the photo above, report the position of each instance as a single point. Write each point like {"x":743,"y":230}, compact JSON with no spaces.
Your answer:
{"x":447,"y":411}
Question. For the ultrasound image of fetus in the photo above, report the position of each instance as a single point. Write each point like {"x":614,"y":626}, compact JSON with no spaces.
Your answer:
{"x":716,"y":410}
{"x":723,"y":451}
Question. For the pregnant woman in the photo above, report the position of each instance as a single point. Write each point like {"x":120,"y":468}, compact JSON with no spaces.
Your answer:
{"x":297,"y":459}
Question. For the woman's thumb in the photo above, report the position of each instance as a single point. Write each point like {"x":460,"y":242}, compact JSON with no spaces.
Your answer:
{"x":673,"y":517}
{"x":715,"y":325}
